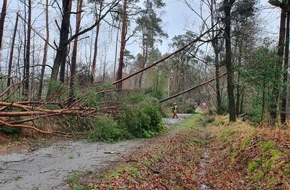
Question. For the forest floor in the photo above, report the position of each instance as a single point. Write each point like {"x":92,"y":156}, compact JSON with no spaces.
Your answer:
{"x":196,"y":153}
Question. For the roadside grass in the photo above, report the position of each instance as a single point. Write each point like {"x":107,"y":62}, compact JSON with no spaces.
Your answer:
{"x":74,"y":181}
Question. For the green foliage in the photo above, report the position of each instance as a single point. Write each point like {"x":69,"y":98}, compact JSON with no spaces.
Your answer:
{"x":257,"y":176}
{"x":287,"y":170}
{"x":78,"y":187}
{"x":254,"y":165}
{"x":9,"y":130}
{"x":106,"y":129}
{"x":139,"y":116}
{"x":73,"y":177}
{"x":142,"y":119}
{"x":245,"y":143}
{"x":133,"y":98}
{"x":266,"y":145}
{"x":261,"y":75}
{"x":90,"y":97}
{"x":155,"y":92}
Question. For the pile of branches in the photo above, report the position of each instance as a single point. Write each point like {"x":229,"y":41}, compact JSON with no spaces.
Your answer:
{"x":23,"y":114}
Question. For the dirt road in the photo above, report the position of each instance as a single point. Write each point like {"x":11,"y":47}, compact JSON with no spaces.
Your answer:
{"x":48,"y":168}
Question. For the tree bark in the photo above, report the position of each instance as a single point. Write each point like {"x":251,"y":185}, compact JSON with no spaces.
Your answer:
{"x":2,"y":21}
{"x":12,"y":52}
{"x":62,"y":48}
{"x":123,"y":45}
{"x":276,"y":89}
{"x":74,"y":54}
{"x":44,"y":60}
{"x":229,"y":65}
{"x":93,"y":69}
{"x":61,"y":52}
{"x":285,"y":74}
{"x":27,"y":56}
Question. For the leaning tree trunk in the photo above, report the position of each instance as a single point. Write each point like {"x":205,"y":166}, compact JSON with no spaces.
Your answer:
{"x":11,"y":53}
{"x":229,"y":65}
{"x":2,"y":21}
{"x":123,"y":45}
{"x":44,"y":60}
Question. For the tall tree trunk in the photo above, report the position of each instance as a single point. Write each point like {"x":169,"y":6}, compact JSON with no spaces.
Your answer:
{"x":64,"y":31}
{"x":74,"y":53}
{"x":285,"y":75}
{"x":116,"y":50}
{"x":263,"y":100}
{"x":93,"y":69}
{"x":216,"y":58}
{"x":123,"y":45}
{"x":2,"y":21}
{"x":144,"y":56}
{"x":60,"y":58}
{"x":27,"y":56}
{"x":276,"y":89}
{"x":229,"y":65}
{"x":238,"y":78}
{"x":44,"y":60}
{"x":12,"y":52}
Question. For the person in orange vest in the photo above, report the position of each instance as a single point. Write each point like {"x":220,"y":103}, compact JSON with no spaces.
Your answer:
{"x":174,"y":111}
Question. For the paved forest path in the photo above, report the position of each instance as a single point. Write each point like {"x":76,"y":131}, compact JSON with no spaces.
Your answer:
{"x":48,"y":168}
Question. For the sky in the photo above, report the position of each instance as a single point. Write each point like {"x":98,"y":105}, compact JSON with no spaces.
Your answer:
{"x":176,"y":16}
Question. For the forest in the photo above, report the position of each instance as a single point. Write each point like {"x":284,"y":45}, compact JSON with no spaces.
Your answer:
{"x":62,"y":55}
{"x":109,"y":70}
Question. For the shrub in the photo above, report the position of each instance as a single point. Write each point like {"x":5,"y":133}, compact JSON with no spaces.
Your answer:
{"x":9,"y":130}
{"x":142,"y":119}
{"x":106,"y":129}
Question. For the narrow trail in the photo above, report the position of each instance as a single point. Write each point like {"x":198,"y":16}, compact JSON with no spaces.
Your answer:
{"x":204,"y":160}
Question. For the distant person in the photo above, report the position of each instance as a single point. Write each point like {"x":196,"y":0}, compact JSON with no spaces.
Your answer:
{"x":174,"y":111}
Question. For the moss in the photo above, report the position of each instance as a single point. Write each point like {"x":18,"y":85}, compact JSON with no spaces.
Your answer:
{"x":257,"y":176}
{"x":234,"y":155}
{"x":276,"y":153}
{"x":267,"y":145}
{"x":229,"y":132}
{"x":245,"y":143}
{"x":287,"y":170}
{"x":254,"y":165}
